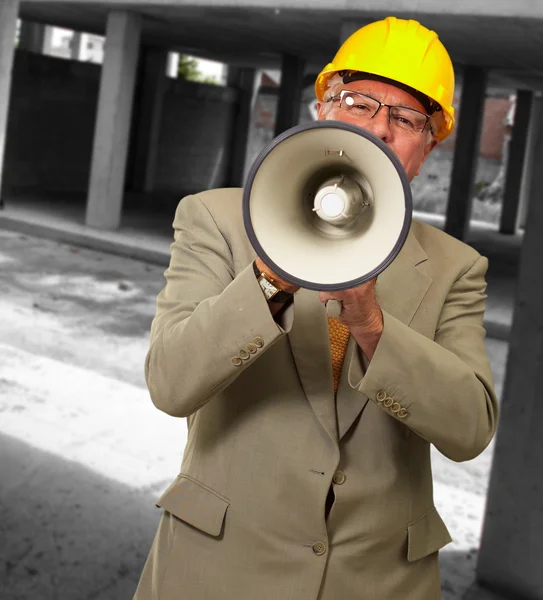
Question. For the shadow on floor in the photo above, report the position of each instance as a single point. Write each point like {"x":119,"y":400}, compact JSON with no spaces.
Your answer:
{"x":71,"y":534}
{"x":68,"y":533}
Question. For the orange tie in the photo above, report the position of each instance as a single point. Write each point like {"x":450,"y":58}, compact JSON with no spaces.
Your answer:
{"x":339,"y":338}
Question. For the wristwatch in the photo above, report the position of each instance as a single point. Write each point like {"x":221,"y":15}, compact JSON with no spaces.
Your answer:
{"x":269,"y":287}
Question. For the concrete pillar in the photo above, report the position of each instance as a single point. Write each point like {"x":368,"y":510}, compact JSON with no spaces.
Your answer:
{"x":515,"y":162}
{"x":32,"y":37}
{"x":151,"y":88}
{"x":511,"y":552}
{"x":9,"y":9}
{"x":173,"y":64}
{"x":243,"y":79}
{"x":112,"y":130}
{"x":290,"y":93}
{"x":529,"y":161}
{"x":48,"y":40}
{"x":466,"y":152}
{"x":76,"y":48}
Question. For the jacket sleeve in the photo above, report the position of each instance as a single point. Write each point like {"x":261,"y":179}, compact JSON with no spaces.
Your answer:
{"x":444,"y":386}
{"x":205,"y":317}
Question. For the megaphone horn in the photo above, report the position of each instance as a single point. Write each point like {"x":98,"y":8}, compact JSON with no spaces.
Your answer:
{"x":327,"y":206}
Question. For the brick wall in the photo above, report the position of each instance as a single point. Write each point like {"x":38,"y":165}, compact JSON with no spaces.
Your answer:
{"x":51,"y":123}
{"x":51,"y":129}
{"x":194,"y":137}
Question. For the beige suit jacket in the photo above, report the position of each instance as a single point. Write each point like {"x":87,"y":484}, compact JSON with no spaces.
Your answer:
{"x":245,"y":517}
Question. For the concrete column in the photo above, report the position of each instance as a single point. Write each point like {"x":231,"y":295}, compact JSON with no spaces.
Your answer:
{"x":111,"y":135}
{"x":32,"y":37}
{"x":243,"y":79}
{"x":173,"y":64}
{"x":511,"y":552}
{"x":149,"y":117}
{"x":290,"y":93}
{"x":48,"y":40}
{"x":77,"y":45}
{"x":9,"y":9}
{"x":529,"y":161}
{"x":466,"y":152}
{"x":515,"y":162}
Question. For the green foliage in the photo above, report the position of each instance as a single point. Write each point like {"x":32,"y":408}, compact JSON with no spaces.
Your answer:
{"x":188,"y":70}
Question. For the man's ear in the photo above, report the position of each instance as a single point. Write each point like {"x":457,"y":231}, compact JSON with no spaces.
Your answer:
{"x":320,"y":115}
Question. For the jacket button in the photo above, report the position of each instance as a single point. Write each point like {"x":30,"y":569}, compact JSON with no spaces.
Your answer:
{"x":381,"y":396}
{"x":388,"y":402}
{"x":402,"y":413}
{"x":339,"y":477}
{"x":251,"y":348}
{"x":395,"y":407}
{"x":236,"y":361}
{"x":244,"y":354}
{"x":258,"y":342}
{"x":319,"y":548}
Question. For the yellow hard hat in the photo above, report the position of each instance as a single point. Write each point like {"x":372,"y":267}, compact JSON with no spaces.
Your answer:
{"x":405,"y":52}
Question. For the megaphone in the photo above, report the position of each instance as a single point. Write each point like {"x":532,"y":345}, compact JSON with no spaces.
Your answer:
{"x":327,"y":206}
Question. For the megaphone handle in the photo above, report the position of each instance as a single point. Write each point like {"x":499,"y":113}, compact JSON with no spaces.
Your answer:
{"x":333,"y":308}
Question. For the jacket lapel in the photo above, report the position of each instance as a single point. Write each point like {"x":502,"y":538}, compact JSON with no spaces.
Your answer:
{"x":399,"y":290}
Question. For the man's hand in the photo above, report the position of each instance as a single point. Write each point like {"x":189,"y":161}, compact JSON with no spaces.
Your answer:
{"x":361,"y":313}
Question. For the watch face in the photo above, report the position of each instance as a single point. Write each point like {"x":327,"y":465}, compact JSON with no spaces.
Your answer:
{"x":269,"y":289}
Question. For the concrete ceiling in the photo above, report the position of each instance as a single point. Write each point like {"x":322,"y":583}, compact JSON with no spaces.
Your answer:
{"x":253,"y":34}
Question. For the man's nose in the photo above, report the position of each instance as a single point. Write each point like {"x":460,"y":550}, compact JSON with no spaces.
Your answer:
{"x":379,"y":125}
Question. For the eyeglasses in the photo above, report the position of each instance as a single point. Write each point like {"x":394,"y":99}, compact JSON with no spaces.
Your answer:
{"x":361,"y":106}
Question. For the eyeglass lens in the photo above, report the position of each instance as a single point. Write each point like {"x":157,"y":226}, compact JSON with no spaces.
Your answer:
{"x":361,"y":105}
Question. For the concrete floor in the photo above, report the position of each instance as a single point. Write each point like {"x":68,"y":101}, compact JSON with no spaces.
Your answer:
{"x":85,"y":453}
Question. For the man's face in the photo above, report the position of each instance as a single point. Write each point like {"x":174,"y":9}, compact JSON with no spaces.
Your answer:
{"x":410,"y":147}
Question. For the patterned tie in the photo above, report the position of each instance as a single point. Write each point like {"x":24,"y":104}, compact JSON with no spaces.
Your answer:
{"x":339,"y":338}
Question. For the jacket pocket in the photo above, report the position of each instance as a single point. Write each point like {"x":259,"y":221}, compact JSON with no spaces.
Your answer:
{"x":426,"y":535}
{"x":196,"y":504}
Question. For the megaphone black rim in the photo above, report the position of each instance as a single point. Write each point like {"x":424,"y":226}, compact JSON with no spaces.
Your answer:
{"x":247,"y":197}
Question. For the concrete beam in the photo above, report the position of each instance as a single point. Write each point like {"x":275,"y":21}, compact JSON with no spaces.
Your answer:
{"x":466,"y":152}
{"x":515,"y":163}
{"x":511,"y":550}
{"x":9,"y":10}
{"x":113,"y":120}
{"x":151,"y":89}
{"x":290,"y":93}
{"x":243,"y":80}
{"x":531,"y":9}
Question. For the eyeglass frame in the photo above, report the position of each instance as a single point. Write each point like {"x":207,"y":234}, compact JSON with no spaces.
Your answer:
{"x":381,"y":104}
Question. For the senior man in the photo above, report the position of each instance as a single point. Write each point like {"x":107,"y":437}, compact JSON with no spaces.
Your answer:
{"x":306,"y":473}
